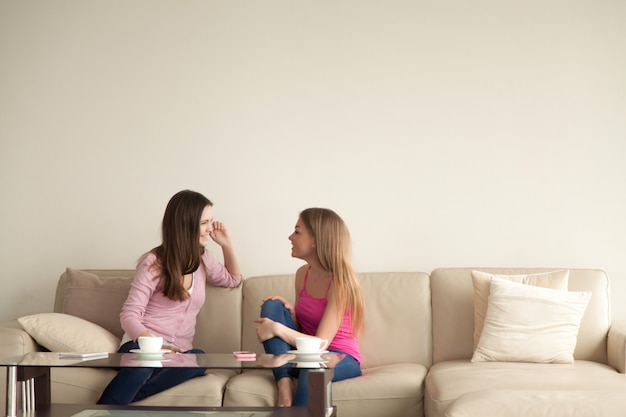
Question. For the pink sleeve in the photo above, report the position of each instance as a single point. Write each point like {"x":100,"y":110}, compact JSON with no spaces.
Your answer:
{"x":217,"y":274}
{"x":143,"y":286}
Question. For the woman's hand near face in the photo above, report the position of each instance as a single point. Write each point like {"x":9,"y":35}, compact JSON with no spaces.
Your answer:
{"x":219,"y":234}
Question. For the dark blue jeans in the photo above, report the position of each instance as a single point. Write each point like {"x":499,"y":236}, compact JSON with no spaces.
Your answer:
{"x":134,"y":384}
{"x":348,"y":367}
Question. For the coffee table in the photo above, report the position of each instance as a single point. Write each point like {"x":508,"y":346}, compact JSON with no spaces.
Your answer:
{"x":33,"y":369}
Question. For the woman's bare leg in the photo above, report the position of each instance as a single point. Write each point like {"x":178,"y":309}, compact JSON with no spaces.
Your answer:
{"x":285,"y":392}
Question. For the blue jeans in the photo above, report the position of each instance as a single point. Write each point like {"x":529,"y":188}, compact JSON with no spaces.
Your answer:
{"x":348,"y":367}
{"x":134,"y":384}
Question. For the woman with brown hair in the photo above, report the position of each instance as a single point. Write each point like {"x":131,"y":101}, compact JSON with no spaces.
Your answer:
{"x":167,"y":292}
{"x":328,"y":304}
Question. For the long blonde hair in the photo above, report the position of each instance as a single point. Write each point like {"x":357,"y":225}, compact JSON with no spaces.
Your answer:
{"x":333,"y":248}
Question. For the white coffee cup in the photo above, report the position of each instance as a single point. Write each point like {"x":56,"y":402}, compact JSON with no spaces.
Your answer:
{"x":310,"y":344}
{"x":150,"y":344}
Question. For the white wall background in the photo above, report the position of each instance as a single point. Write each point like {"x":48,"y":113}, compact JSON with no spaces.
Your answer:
{"x":445,"y":133}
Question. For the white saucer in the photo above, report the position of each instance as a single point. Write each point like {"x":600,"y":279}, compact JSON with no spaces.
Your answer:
{"x":307,"y":356}
{"x":149,"y":354}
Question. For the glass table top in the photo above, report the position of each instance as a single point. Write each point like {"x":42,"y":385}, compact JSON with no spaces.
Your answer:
{"x":168,"y":359}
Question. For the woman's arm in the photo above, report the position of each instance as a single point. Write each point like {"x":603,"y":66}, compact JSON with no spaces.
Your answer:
{"x":227,"y":275}
{"x":218,"y":274}
{"x":143,"y":286}
{"x":221,"y":237}
{"x":331,"y":320}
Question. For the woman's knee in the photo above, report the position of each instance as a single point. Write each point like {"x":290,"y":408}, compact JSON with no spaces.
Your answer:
{"x":347,"y":368}
{"x":272,"y":308}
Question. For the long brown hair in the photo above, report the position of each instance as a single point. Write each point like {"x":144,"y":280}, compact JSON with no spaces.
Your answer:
{"x":180,"y":252}
{"x":333,"y":248}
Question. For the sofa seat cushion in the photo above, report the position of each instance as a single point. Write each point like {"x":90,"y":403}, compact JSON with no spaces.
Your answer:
{"x":255,"y":388}
{"x":84,"y":385}
{"x":447,"y":381}
{"x":203,"y":391}
{"x":389,"y":390}
{"x":78,"y":385}
{"x":498,"y":403}
{"x":394,"y":390}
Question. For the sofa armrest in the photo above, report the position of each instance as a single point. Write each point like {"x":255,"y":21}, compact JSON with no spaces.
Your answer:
{"x":616,"y":345}
{"x":15,"y":341}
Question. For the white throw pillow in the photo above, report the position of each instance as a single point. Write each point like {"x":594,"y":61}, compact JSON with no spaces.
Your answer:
{"x":59,"y":332}
{"x":557,"y":280}
{"x":525,"y":323}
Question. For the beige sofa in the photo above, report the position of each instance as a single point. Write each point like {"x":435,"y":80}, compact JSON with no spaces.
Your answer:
{"x":416,"y":348}
{"x":396,"y":345}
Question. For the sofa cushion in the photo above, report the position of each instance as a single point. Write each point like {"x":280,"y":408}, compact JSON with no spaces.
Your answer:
{"x":96,"y":299}
{"x":525,"y":323}
{"x":509,"y":403}
{"x":389,"y":390}
{"x":409,"y":343}
{"x":59,"y":332}
{"x":84,"y":385}
{"x":447,"y":381}
{"x":481,"y":281}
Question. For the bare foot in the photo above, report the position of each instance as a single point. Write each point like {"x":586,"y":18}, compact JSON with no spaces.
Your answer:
{"x":285,"y":392}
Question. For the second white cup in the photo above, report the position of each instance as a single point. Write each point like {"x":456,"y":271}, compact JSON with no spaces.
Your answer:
{"x":310,"y":344}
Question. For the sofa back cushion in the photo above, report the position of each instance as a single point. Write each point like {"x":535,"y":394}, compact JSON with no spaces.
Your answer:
{"x":97,"y":295}
{"x":453,"y":311}
{"x":94,"y":295}
{"x":218,"y":327}
{"x":397,"y":315}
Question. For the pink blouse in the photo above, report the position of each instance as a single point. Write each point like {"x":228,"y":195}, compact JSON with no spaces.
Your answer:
{"x":148,"y":309}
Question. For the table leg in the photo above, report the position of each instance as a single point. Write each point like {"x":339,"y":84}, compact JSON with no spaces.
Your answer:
{"x":320,"y":392}
{"x":11,"y":398}
{"x":40,"y":378}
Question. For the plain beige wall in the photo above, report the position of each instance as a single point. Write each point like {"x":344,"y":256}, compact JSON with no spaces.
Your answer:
{"x":446,"y":133}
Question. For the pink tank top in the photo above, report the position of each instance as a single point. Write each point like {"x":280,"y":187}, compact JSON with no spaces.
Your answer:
{"x":309,"y":312}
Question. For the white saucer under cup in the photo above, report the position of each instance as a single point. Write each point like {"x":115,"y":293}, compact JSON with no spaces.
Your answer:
{"x":150,"y":355}
{"x":308,"y":356}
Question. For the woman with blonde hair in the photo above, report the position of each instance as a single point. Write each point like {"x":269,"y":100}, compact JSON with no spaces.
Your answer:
{"x":329,"y":304}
